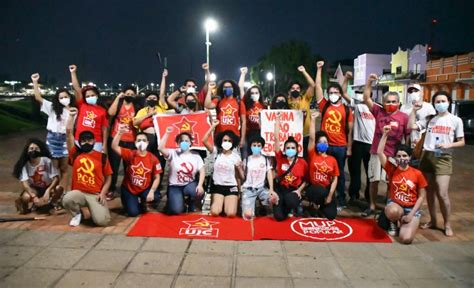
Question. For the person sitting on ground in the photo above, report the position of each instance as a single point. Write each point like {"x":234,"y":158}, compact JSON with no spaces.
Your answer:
{"x":258,"y":170}
{"x":142,"y":174}
{"x":323,"y":172}
{"x":184,"y":166}
{"x":91,"y":177}
{"x":38,"y":177}
{"x":406,"y":190}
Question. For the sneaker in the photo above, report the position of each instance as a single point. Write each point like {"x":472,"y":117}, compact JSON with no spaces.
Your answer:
{"x":76,"y":220}
{"x":367,"y":212}
{"x":393,"y":229}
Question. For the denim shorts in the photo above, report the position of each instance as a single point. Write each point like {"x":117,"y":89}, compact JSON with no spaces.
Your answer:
{"x":406,"y":210}
{"x":249,"y":196}
{"x":57,"y":144}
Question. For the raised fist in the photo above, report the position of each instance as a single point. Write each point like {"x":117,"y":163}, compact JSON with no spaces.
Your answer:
{"x":244,"y":70}
{"x":35,"y":77}
{"x":165,"y":73}
{"x":72,"y":111}
{"x":215,"y":123}
{"x":349,"y":75}
{"x":320,"y":64}
{"x":205,"y":66}
{"x":169,"y":130}
{"x":386,"y":129}
{"x":373,"y":77}
{"x":301,"y":68}
{"x":315,"y":115}
{"x":72,"y":68}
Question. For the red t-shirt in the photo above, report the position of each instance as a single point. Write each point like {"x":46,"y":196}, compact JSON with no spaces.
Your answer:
{"x":228,"y":115}
{"x":91,"y":118}
{"x":322,"y":168}
{"x":252,"y":115}
{"x":404,"y":185}
{"x":334,"y":123}
{"x":141,"y":170}
{"x":297,"y":174}
{"x":87,"y":172}
{"x":399,"y":122}
{"x":125,"y":116}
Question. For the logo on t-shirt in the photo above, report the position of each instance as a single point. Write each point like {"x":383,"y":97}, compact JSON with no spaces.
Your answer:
{"x":321,"y":229}
{"x":37,"y":178}
{"x":321,"y":173}
{"x":139,"y":172}
{"x":290,"y":178}
{"x":201,"y":227}
{"x":185,"y":173}
{"x":402,"y":188}
{"x":227,"y":117}
{"x":88,"y":120}
{"x":333,"y":121}
{"x":85,"y":173}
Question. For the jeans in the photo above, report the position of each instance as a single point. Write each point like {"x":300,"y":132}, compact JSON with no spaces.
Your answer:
{"x":176,"y":197}
{"x":317,"y":194}
{"x":115,"y":160}
{"x":287,"y":201}
{"x":249,"y":197}
{"x":131,"y":203}
{"x":339,"y":152}
{"x":360,"y":153}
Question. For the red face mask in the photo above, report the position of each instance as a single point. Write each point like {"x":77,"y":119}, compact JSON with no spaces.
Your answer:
{"x":390,"y":108}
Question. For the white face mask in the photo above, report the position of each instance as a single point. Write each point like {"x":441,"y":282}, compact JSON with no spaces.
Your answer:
{"x":333,"y":98}
{"x":255,"y":97}
{"x":358,"y":97}
{"x":414,"y":97}
{"x":65,"y":101}
{"x":141,"y":145}
{"x":226,"y":145}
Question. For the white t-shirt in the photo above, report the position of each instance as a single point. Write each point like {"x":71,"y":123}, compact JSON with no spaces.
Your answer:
{"x":224,"y":168}
{"x":53,"y":124}
{"x":446,"y":128}
{"x":183,"y":167}
{"x":256,"y":168}
{"x":364,"y":122}
{"x":40,"y":175}
{"x":421,"y":116}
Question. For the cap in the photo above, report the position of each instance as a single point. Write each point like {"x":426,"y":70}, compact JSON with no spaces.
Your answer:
{"x":415,"y":86}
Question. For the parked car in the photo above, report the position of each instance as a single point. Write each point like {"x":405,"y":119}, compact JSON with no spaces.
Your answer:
{"x":464,"y":109}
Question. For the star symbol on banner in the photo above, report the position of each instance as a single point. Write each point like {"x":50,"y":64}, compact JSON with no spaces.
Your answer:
{"x":201,"y":223}
{"x":185,"y":125}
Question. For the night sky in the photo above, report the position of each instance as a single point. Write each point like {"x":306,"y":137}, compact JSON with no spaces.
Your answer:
{"x":117,"y":41}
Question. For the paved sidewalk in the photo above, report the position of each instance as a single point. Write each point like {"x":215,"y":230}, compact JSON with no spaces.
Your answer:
{"x":64,"y":259}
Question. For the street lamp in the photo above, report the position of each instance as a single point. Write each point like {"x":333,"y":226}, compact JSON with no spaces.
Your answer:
{"x":210,"y":25}
{"x":212,"y":77}
{"x":269,"y":76}
{"x":270,"y":79}
{"x":13,"y":83}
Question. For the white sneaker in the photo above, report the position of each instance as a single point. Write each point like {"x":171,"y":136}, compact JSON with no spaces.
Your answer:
{"x":393,"y":230}
{"x":76,"y":220}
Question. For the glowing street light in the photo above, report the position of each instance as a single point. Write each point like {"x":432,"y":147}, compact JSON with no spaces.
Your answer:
{"x":212,"y":77}
{"x":269,"y":76}
{"x":12,"y":83}
{"x":210,"y":25}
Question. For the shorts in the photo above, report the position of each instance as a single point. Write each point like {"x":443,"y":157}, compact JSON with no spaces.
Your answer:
{"x":225,"y":190}
{"x":442,"y":165}
{"x":376,"y":172}
{"x":406,"y":210}
{"x":249,"y":196}
{"x":56,"y":143}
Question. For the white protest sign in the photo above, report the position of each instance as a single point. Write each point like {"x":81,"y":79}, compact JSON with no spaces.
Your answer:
{"x":291,"y":124}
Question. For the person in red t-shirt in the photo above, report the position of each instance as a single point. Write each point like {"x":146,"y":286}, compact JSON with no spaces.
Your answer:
{"x":90,"y":177}
{"x":227,"y":108}
{"x":406,"y":193}
{"x":291,"y":176}
{"x":323,"y":172}
{"x":91,"y":117}
{"x":142,"y":174}
{"x":122,"y":111}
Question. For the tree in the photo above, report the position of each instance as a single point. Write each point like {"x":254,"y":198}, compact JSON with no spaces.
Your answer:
{"x":286,"y":57}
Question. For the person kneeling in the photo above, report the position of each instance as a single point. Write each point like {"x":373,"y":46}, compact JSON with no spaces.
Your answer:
{"x":407,"y":191}
{"x":184,"y":166}
{"x":91,"y":176}
{"x":258,"y":169}
{"x":141,"y":167}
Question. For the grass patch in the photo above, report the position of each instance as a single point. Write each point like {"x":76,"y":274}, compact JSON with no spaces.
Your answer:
{"x":11,"y":124}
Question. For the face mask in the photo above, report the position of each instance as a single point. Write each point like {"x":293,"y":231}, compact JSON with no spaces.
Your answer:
{"x":280,"y":105}
{"x":226,"y":145}
{"x":191,"y":104}
{"x":91,"y":100}
{"x":358,"y":97}
{"x":65,"y":101}
{"x":290,"y":152}
{"x":322,"y":147}
{"x":34,"y":154}
{"x":256,"y":150}
{"x":128,"y":99}
{"x":403,"y":163}
{"x":442,"y":107}
{"x":184,"y":146}
{"x":190,"y":90}
{"x":413,"y":97}
{"x":151,"y":103}
{"x":141,"y":145}
{"x":86,"y":147}
{"x":390,"y":108}
{"x":228,"y":91}
{"x":255,"y":97}
{"x":333,"y":98}
{"x":295,"y":94}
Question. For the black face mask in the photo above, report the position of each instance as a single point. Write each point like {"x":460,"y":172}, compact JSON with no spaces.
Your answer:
{"x":34,"y":154}
{"x":191,"y":104}
{"x":86,"y":148}
{"x":295,"y":94}
{"x":281,"y":105}
{"x":128,"y":99}
{"x":151,"y":103}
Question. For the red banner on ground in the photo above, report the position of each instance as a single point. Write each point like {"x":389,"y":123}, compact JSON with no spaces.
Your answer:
{"x":320,"y":230}
{"x":191,"y":226}
{"x":195,"y":124}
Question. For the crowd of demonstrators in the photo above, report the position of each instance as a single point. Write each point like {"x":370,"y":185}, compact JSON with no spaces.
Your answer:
{"x":94,"y":140}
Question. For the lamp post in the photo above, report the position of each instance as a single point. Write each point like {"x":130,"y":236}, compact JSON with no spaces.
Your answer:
{"x":270,"y":78}
{"x":12,"y":83}
{"x":210,"y":25}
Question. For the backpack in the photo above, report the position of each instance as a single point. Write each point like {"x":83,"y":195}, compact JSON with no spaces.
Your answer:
{"x":347,"y":110}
